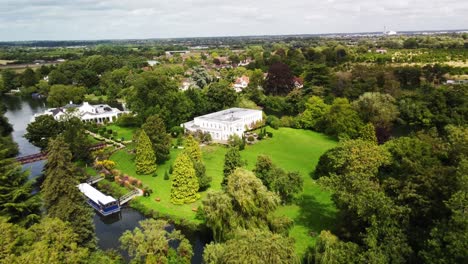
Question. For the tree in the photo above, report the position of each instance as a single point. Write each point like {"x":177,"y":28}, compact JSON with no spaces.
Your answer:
{"x":44,"y":128}
{"x":145,"y":159}
{"x":74,"y":134}
{"x":280,"y":80}
{"x":60,"y":95}
{"x":252,"y":246}
{"x":153,"y":243}
{"x":9,"y":80}
{"x":51,"y":241}
{"x":379,"y":109}
{"x":232,"y":160}
{"x":219,"y":214}
{"x":184,"y":181}
{"x":58,"y":77}
{"x":329,"y":249}
{"x":367,"y":133}
{"x":62,"y":199}
{"x":156,"y":130}
{"x":342,"y":120}
{"x":285,"y":184}
{"x":192,"y":148}
{"x":312,"y":117}
{"x":17,"y":203}
{"x":28,"y":78}
{"x":220,"y":95}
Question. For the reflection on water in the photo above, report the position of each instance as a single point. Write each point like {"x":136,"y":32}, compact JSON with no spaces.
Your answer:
{"x":19,"y":113}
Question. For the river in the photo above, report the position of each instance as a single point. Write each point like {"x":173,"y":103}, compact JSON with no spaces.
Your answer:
{"x":108,"y":229}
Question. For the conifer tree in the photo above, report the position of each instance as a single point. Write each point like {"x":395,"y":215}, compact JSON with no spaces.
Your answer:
{"x":192,"y":148}
{"x":16,"y":201}
{"x":62,"y":199}
{"x":160,"y":140}
{"x":232,"y":160}
{"x":184,"y":181}
{"x":145,"y":159}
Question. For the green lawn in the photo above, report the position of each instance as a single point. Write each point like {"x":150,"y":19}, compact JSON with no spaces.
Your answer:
{"x":125,"y":132}
{"x":290,"y":149}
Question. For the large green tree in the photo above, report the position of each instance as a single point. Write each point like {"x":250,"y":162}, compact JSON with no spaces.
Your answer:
{"x":42,"y":129}
{"x":250,"y":205}
{"x":145,"y":159}
{"x":153,"y":243}
{"x":285,"y":184}
{"x":62,"y":199}
{"x":60,"y":95}
{"x":232,"y":160}
{"x":252,"y":246}
{"x":184,"y":181}
{"x":17,"y":202}
{"x":342,"y":120}
{"x":156,"y":130}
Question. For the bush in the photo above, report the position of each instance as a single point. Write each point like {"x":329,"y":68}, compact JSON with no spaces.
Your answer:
{"x":269,"y":134}
{"x":171,"y":169}
{"x":273,"y":122}
{"x":109,"y":131}
{"x":166,"y":176}
{"x":251,"y":139}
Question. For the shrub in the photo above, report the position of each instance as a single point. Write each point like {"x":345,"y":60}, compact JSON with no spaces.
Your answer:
{"x":250,"y":139}
{"x":273,"y":122}
{"x":171,"y":169}
{"x":269,"y":134}
{"x":109,"y":131}
{"x":166,"y":176}
{"x":260,"y":136}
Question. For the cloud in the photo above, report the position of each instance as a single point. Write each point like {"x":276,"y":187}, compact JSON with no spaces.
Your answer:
{"x":104,"y":19}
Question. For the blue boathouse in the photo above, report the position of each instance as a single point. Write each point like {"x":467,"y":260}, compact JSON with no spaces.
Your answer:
{"x":104,"y":204}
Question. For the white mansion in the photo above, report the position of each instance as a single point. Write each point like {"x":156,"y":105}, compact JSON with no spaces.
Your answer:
{"x":224,"y":123}
{"x":87,"y":113}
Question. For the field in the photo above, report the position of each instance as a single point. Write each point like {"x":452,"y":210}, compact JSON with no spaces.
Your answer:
{"x":290,"y":149}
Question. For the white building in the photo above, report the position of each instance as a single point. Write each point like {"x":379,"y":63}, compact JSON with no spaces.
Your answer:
{"x":224,"y":123}
{"x":88,"y":113}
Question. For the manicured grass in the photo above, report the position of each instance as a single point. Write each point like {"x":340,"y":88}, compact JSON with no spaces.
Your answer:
{"x":93,"y":97}
{"x":122,"y":132}
{"x":290,"y":149}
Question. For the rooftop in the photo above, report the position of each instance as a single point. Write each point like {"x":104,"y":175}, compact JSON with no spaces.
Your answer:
{"x":95,"y":195}
{"x":229,"y":115}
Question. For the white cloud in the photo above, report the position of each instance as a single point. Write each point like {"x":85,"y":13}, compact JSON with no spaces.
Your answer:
{"x":104,"y":19}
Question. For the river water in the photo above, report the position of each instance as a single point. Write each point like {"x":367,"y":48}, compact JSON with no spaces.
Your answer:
{"x":108,"y":229}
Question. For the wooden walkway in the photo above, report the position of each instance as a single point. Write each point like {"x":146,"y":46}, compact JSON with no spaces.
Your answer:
{"x":43,"y":155}
{"x":129,"y":196}
{"x":95,"y":179}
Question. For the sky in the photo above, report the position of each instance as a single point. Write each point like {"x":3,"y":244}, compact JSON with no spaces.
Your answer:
{"x":140,"y":19}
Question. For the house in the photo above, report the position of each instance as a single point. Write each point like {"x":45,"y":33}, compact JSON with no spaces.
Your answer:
{"x":381,"y":51}
{"x":298,"y":82}
{"x":220,"y":125}
{"x":87,"y":113}
{"x":241,"y":83}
